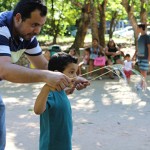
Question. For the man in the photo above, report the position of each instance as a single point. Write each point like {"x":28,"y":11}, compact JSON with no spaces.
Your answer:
{"x":143,"y":50}
{"x":18,"y":29}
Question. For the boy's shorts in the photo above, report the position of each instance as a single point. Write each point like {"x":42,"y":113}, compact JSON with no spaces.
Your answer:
{"x":127,"y":73}
{"x":143,"y":64}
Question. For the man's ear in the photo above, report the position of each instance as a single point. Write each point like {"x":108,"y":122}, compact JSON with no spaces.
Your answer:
{"x":18,"y":18}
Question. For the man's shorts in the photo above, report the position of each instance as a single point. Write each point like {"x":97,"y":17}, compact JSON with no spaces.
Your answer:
{"x":143,"y":64}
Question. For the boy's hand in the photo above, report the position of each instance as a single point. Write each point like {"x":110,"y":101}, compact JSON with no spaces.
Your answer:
{"x":81,"y":83}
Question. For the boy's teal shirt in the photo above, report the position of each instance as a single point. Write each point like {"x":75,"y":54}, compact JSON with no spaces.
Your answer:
{"x":56,"y":123}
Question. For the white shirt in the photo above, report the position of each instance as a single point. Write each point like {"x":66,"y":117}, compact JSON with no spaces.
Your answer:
{"x":127,"y":65}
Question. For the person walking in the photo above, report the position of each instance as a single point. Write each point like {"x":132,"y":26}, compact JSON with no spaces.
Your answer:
{"x":18,"y":30}
{"x":142,"y":52}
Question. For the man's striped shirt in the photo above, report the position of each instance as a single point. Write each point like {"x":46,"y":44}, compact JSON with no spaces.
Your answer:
{"x":8,"y":46}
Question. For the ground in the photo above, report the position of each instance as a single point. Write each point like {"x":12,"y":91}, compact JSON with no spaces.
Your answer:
{"x":106,"y":115}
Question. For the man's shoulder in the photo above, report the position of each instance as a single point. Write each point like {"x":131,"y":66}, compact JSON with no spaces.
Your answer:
{"x":5,"y":23}
{"x":5,"y":18}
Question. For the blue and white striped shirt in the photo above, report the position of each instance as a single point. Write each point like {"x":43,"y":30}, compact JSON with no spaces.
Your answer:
{"x":8,"y":46}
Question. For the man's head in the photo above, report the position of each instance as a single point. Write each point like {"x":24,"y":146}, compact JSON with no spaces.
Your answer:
{"x":141,"y":27}
{"x":28,"y":18}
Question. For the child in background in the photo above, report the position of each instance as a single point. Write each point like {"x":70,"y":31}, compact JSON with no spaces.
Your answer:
{"x":86,"y":58}
{"x":72,"y":52}
{"x":128,"y":65}
{"x":54,"y":107}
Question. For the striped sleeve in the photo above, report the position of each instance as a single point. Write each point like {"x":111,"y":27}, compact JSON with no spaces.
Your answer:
{"x":33,"y":49}
{"x":4,"y":41}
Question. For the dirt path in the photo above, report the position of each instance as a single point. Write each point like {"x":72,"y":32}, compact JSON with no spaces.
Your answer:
{"x":106,"y":116}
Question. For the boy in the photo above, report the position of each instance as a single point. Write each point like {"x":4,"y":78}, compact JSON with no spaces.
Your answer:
{"x":128,"y":67}
{"x":85,"y":61}
{"x":54,"y":107}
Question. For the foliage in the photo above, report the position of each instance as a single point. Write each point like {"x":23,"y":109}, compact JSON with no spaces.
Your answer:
{"x":64,"y":13}
{"x":117,"y":7}
{"x":7,"y":4}
{"x":60,"y":16}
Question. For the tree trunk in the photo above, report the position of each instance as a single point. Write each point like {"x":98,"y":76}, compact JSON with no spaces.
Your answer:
{"x":94,"y":23}
{"x":112,"y":24}
{"x":54,"y":39}
{"x":130,"y":11}
{"x":143,"y":13}
{"x":82,"y":27}
{"x":102,"y":27}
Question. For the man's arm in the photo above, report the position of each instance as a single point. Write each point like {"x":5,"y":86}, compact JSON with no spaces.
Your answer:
{"x":39,"y":61}
{"x":19,"y":74}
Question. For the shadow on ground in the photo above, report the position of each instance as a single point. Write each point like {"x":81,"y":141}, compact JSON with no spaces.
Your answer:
{"x":107,"y":115}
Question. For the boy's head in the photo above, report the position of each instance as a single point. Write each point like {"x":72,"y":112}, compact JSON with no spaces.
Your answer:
{"x":127,"y":57}
{"x":64,"y":63}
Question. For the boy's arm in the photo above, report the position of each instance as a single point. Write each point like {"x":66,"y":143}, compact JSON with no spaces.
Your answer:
{"x":40,"y":103}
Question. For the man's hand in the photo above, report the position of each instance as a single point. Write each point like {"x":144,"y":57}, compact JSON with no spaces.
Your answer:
{"x":57,"y":80}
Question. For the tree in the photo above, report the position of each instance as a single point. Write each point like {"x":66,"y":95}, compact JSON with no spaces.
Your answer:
{"x":59,"y":17}
{"x":102,"y":28}
{"x":114,"y":14}
{"x":133,"y":10}
{"x":82,"y":24}
{"x":7,"y":4}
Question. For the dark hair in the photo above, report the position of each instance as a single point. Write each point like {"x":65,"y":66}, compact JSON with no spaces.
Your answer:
{"x":26,"y":7}
{"x":142,"y":25}
{"x":88,"y":49}
{"x":73,"y":50}
{"x":110,"y":40}
{"x":60,"y":61}
{"x":127,"y":55}
{"x":95,"y":39}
